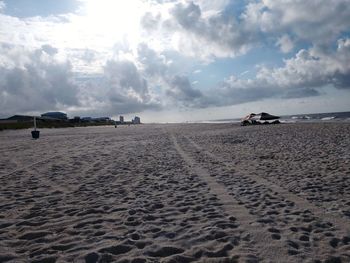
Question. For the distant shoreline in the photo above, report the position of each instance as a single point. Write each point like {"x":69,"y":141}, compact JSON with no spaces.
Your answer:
{"x":303,"y":117}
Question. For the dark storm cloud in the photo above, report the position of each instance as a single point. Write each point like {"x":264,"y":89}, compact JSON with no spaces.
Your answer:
{"x":341,"y":80}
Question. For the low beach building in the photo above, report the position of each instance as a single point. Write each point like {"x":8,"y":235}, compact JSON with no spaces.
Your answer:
{"x":20,"y":118}
{"x":102,"y":119}
{"x":86,"y":119}
{"x":55,"y":115}
{"x":136,"y":120}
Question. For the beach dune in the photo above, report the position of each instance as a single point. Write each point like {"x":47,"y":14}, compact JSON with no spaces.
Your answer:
{"x":176,"y":193}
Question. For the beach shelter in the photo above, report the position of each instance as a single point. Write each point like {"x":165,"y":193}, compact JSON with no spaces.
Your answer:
{"x":253,"y":118}
{"x":267,"y":117}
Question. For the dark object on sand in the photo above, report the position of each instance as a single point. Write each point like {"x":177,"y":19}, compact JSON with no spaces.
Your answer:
{"x":254,"y":119}
{"x":267,"y":117}
{"x":35,"y":134}
{"x":245,"y":123}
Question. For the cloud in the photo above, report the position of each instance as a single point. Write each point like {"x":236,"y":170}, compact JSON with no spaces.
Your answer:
{"x":191,"y":29}
{"x":315,"y":21}
{"x":154,"y":65}
{"x":202,"y":35}
{"x":233,"y":91}
{"x":49,"y":49}
{"x":182,"y":91}
{"x":219,"y":35}
{"x":121,"y":89}
{"x":210,"y":6}
{"x":124,"y":78}
{"x":301,"y":93}
{"x":34,"y":32}
{"x":244,"y":73}
{"x":301,"y":76}
{"x":80,"y":64}
{"x":313,"y":68}
{"x":150,"y":21}
{"x":2,"y":6}
{"x":285,"y":43}
{"x":42,"y":83}
{"x":176,"y":90}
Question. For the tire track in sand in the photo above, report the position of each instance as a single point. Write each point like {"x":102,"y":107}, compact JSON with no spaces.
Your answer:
{"x":337,"y":220}
{"x":261,"y":245}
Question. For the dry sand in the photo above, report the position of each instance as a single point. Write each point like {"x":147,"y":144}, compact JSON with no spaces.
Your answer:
{"x":176,"y":193}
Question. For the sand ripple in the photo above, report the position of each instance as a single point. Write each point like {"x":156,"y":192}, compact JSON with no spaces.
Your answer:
{"x":176,"y":193}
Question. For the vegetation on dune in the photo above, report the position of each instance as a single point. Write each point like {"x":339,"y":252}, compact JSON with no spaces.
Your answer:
{"x":50,"y":124}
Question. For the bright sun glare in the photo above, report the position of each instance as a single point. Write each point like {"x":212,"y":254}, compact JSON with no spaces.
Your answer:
{"x":115,"y":17}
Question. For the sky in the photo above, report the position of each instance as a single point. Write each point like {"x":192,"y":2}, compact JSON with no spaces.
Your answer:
{"x":174,"y":60}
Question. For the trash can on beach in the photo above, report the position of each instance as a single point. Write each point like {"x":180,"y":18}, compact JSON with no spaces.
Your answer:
{"x":35,"y":134}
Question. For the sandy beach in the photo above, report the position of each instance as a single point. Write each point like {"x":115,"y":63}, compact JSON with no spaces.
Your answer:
{"x":176,"y":193}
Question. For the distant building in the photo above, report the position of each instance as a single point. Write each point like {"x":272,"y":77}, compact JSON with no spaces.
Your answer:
{"x":21,"y":118}
{"x":55,"y":115}
{"x":102,"y":119}
{"x":136,"y":120}
{"x":121,"y":121}
{"x":76,"y":119}
{"x":86,"y":119}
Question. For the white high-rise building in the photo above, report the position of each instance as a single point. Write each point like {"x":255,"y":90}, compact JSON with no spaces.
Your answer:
{"x":136,"y":120}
